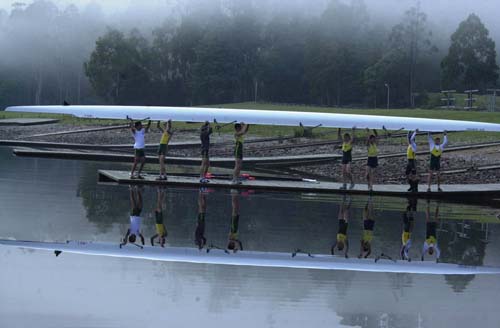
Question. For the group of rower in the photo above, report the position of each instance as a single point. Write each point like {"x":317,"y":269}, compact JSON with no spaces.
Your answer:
{"x":430,"y":245}
{"x":435,"y":147}
{"x":134,"y":232}
{"x":139,"y":132}
{"x":240,"y":129}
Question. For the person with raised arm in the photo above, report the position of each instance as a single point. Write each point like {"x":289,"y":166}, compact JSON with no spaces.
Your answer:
{"x":342,"y":242}
{"x":431,"y":243}
{"x":347,"y":142}
{"x":138,"y":132}
{"x":411,"y":165}
{"x":372,"y":162}
{"x":234,"y":242}
{"x":205,"y":132}
{"x":161,"y":230}
{"x":368,"y":226}
{"x":134,"y":229}
{"x":199,"y":234}
{"x":436,"y":148}
{"x":166,"y":136}
{"x":240,"y":129}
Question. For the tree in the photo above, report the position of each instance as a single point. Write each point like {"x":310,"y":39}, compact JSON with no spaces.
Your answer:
{"x":471,"y":60}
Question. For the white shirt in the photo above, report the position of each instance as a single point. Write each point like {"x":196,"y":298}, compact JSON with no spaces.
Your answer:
{"x":427,"y":246}
{"x":139,"y":139}
{"x":412,"y":141}
{"x":135,"y":225}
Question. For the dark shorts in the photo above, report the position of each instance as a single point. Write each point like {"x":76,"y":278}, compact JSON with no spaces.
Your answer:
{"x":430,"y":229}
{"x":435,"y":163}
{"x":136,"y":211}
{"x":162,"y":149}
{"x":368,"y":224}
{"x":238,"y":150}
{"x":372,"y":162}
{"x":410,"y":166}
{"x":139,"y":153}
{"x":342,"y":227}
{"x":346,"y":157}
{"x":407,"y":223}
{"x":158,"y":217}
{"x":204,"y":153}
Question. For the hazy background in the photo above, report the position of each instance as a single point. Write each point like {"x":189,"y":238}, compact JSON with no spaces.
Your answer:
{"x":192,"y":52}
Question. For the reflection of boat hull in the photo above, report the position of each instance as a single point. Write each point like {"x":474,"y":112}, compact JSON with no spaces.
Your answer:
{"x":253,"y":258}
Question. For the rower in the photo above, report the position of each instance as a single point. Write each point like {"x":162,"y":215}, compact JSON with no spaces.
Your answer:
{"x":233,"y":242}
{"x":347,"y":142}
{"x":408,"y":224}
{"x":430,"y":243}
{"x":199,"y":234}
{"x":372,"y":162}
{"x":240,"y":130}
{"x":161,"y":231}
{"x":166,"y":136}
{"x":139,"y":155}
{"x":135,"y":217}
{"x":368,"y":226}
{"x":436,"y":148}
{"x":411,"y":166}
{"x":341,"y":241}
{"x":205,"y":133}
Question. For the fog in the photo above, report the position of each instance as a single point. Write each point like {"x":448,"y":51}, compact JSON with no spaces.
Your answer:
{"x":45,"y":43}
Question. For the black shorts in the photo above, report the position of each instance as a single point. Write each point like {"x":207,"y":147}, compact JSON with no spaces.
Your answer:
{"x":407,"y":222}
{"x":158,"y":217}
{"x":204,"y":153}
{"x":368,"y":224}
{"x":136,"y":211}
{"x":430,"y":229}
{"x":346,"y":157}
{"x":139,"y":153}
{"x":162,"y":149}
{"x":342,"y":229}
{"x":435,"y":163}
{"x":410,"y":166}
{"x":372,"y":162}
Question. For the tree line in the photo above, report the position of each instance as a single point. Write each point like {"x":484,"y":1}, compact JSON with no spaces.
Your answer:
{"x":233,"y":54}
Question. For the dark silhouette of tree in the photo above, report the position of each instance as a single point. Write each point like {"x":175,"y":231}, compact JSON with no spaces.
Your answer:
{"x":471,"y":59}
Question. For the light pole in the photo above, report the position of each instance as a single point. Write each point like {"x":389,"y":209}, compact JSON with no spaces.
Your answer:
{"x":388,"y":94}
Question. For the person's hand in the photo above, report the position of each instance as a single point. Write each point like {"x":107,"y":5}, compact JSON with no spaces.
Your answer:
{"x":417,"y":130}
{"x":445,"y":132}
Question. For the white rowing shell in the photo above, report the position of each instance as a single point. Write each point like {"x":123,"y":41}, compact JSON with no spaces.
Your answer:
{"x":263,"y":117}
{"x":252,"y":258}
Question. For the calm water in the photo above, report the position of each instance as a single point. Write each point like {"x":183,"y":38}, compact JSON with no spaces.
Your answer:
{"x":50,"y":200}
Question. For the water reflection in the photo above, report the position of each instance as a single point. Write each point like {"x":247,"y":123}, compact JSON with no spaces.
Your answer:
{"x":134,"y":229}
{"x":161,"y":230}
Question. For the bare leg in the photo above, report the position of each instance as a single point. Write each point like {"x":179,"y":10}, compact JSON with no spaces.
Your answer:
{"x":143,"y":160}
{"x":373,"y":171}
{"x":439,"y":178}
{"x":161,"y":158}
{"x":349,"y":173}
{"x":237,"y":169}
{"x":429,"y":179}
{"x":134,"y":166}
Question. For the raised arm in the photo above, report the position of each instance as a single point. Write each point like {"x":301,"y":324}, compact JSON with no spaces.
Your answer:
{"x":148,"y":126}
{"x":131,"y":122}
{"x":142,"y":238}
{"x":339,"y":133}
{"x":159,"y":127}
{"x":412,"y":140}
{"x":445,"y":140}
{"x":431,"y":141}
{"x":125,"y":239}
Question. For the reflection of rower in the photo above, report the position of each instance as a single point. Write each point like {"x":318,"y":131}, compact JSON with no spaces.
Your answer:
{"x":341,"y":242}
{"x":135,"y":218}
{"x":430,"y":243}
{"x":368,"y":225}
{"x":199,"y":235}
{"x":408,"y":224}
{"x":233,"y":242}
{"x":161,"y":231}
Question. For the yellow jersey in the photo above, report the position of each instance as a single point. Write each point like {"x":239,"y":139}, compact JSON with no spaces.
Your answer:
{"x":372,"y":150}
{"x":165,"y":138}
{"x":341,"y":237}
{"x":431,"y":240}
{"x":405,"y":237}
{"x":410,"y":154}
{"x":367,"y":235}
{"x":346,"y":146}
{"x":160,"y":229}
{"x":437,"y":151}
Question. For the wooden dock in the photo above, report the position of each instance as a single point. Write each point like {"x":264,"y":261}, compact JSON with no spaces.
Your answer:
{"x":468,"y":192}
{"x":27,"y":121}
{"x":274,"y":161}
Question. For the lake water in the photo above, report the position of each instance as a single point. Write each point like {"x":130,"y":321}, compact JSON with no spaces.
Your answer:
{"x":53,"y":200}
